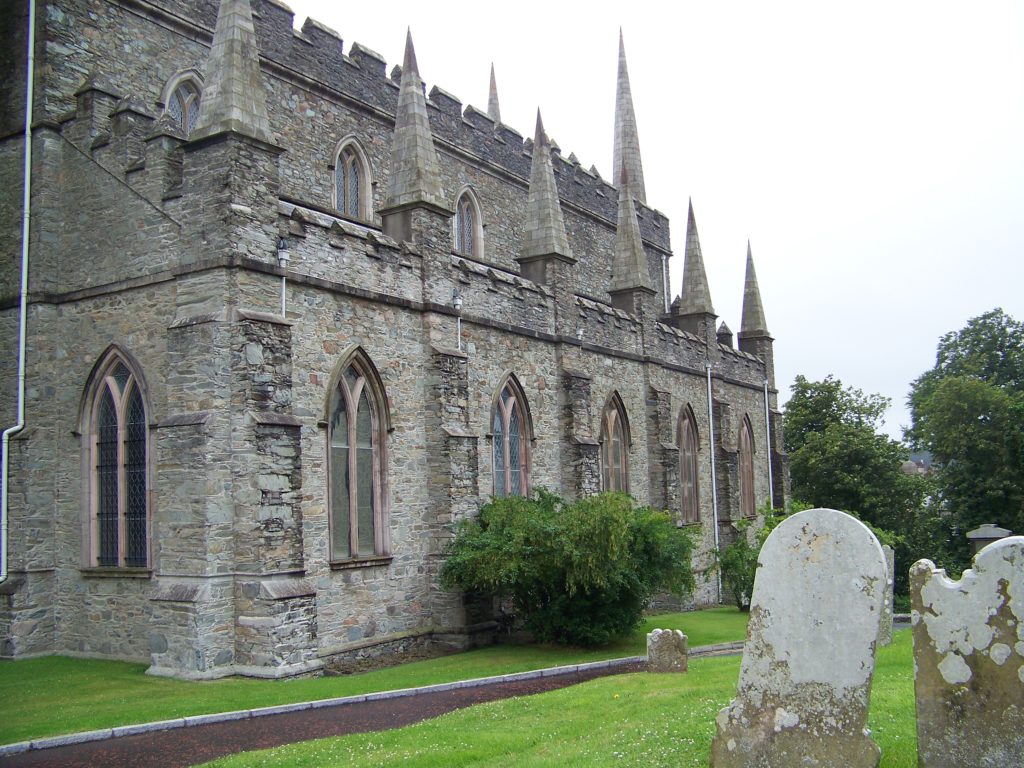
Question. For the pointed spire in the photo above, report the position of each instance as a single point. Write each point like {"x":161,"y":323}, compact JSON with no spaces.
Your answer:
{"x":627,"y":141}
{"x":696,"y":295}
{"x":493,"y":110}
{"x":753,"y":323}
{"x":544,"y":229}
{"x":415,"y":174}
{"x":629,"y":265}
{"x":234,"y":98}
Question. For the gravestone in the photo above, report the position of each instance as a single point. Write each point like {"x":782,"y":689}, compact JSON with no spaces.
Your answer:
{"x":969,"y":660}
{"x":666,"y":651}
{"x":805,"y":680}
{"x":885,"y":627}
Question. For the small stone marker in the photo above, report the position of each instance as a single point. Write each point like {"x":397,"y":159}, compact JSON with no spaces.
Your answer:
{"x":969,"y":660}
{"x":885,"y":627}
{"x":802,"y":697}
{"x":667,"y":651}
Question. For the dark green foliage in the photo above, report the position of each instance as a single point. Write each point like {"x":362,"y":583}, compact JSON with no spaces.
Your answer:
{"x":814,"y":406}
{"x":577,"y":573}
{"x":839,"y":460}
{"x":969,"y":412}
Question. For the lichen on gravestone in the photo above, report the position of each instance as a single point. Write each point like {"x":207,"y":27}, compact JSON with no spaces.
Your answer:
{"x":969,"y":660}
{"x":667,"y":651}
{"x":805,"y":680}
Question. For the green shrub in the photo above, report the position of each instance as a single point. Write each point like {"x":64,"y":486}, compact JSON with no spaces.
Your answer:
{"x":578,"y":573}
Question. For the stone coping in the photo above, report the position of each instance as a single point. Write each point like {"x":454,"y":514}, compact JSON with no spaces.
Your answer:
{"x":242,"y":714}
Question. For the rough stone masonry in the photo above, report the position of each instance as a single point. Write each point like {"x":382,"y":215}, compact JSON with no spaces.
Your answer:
{"x":805,"y":681}
{"x":969,"y":660}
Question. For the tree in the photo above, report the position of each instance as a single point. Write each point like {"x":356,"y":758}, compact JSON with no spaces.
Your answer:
{"x":816,"y":405}
{"x":839,"y":460}
{"x":579,"y":573}
{"x":968,"y":410}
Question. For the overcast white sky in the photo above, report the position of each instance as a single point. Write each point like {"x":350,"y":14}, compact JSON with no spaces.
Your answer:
{"x":872,"y":152}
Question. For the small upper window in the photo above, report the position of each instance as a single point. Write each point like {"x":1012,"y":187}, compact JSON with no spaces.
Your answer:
{"x":688,"y":445}
{"x":746,"y":469}
{"x":511,"y":436}
{"x":468,"y":227}
{"x":614,"y":447}
{"x":352,"y":181}
{"x":183,"y":105}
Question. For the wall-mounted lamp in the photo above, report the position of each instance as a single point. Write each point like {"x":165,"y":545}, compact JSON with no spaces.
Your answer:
{"x":283,"y":253}
{"x":283,"y":257}
{"x":579,"y":334}
{"x":457,"y":303}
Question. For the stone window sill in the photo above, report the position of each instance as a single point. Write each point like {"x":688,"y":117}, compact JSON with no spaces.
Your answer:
{"x":361,"y":562}
{"x":104,"y":572}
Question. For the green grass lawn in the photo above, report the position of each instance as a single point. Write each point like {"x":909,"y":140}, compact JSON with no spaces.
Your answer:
{"x":626,"y":720}
{"x":109,"y":693}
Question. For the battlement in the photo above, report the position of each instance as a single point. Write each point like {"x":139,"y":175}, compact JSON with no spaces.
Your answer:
{"x":316,"y":52}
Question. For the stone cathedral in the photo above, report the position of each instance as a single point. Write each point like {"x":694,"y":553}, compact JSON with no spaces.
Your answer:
{"x":291,"y":317}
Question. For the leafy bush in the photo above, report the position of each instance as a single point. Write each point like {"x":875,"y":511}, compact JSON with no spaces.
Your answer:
{"x":578,"y":573}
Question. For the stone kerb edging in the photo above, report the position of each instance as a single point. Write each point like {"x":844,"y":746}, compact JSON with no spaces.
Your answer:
{"x":243,"y":714}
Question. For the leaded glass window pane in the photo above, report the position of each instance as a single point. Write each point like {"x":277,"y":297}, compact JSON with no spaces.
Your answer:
{"x":515,"y":457}
{"x":340,"y":522}
{"x":193,"y":112}
{"x":135,"y":481}
{"x":352,"y":194}
{"x":176,"y":108}
{"x":688,"y":471}
{"x":107,"y":470}
{"x":616,"y":458}
{"x":746,"y":471}
{"x":364,"y":475}
{"x":499,"y":452}
{"x":121,"y":376}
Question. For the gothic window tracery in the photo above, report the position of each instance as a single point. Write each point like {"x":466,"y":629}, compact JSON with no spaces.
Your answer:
{"x":614,"y":447}
{"x":357,"y":485}
{"x":746,"y":469}
{"x":117,"y":431}
{"x":183,"y":105}
{"x":689,"y":500}
{"x":468,"y":225}
{"x":510,"y":429}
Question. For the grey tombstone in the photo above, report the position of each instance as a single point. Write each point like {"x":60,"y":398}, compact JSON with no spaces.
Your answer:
{"x":969,"y":660}
{"x":805,"y":680}
{"x":666,"y":651}
{"x":885,"y":627}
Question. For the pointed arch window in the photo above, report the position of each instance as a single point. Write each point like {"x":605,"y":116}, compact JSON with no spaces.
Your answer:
{"x":357,"y":483}
{"x":183,"y":105}
{"x":352,"y":181}
{"x":746,"y":469}
{"x":689,"y":498}
{"x":468,"y":225}
{"x":614,"y":446}
{"x":117,"y":427}
{"x":510,"y":430}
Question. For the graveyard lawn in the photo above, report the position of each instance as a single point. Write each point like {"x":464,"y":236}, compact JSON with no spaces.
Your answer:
{"x":111,"y":693}
{"x":628,"y":720}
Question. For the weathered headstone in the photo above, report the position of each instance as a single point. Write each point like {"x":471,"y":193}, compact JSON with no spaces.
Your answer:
{"x":969,"y":660}
{"x":666,"y":651}
{"x":802,"y":697}
{"x":885,"y":627}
